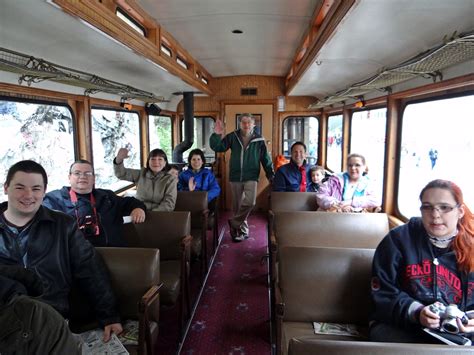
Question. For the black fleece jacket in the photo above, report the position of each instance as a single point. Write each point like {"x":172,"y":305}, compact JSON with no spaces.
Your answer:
{"x":407,"y":268}
{"x":60,"y":255}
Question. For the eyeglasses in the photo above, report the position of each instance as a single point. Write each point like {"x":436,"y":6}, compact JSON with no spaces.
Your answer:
{"x":442,"y":208}
{"x":86,"y":174}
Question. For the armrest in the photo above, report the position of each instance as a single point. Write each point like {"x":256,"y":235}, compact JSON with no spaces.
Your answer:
{"x":148,"y":299}
{"x":279,"y":303}
{"x":273,"y":242}
{"x":394,"y":221}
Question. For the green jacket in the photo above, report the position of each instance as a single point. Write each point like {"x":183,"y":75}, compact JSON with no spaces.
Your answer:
{"x":244,"y":164}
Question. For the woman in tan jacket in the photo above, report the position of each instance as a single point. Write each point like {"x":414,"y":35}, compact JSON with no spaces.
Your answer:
{"x":155,"y":187}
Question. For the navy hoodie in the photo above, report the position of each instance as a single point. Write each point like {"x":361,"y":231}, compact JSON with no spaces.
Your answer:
{"x":408,"y":268}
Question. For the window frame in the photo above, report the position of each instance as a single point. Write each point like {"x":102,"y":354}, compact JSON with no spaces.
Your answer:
{"x":341,"y":113}
{"x":51,"y":102}
{"x":404,"y":102}
{"x":129,"y":184}
{"x":317,"y":116}
{"x":181,"y":133}
{"x":171,"y":117}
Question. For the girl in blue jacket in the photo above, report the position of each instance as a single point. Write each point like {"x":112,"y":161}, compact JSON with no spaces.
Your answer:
{"x":197,"y":177}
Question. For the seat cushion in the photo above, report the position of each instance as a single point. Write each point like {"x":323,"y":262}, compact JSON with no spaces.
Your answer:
{"x":129,"y":336}
{"x":196,"y":242}
{"x":292,"y":330}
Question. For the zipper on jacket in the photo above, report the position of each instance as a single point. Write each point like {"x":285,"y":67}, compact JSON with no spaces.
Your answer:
{"x":435,"y":278}
{"x":241,"y":157}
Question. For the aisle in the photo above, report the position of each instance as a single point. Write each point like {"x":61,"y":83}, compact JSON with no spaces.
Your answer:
{"x":233,"y":314}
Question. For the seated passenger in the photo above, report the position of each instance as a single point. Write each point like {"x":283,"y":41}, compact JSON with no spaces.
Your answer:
{"x":294,"y":176}
{"x":175,"y":170}
{"x":30,"y":326}
{"x":99,"y":213}
{"x":155,"y":187}
{"x":318,"y":176}
{"x":197,"y":177}
{"x":50,"y":243}
{"x":350,"y":191}
{"x":429,"y":259}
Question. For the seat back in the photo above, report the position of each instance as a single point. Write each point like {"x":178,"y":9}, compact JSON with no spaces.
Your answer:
{"x":310,"y":346}
{"x":132,"y":279}
{"x":161,"y":230}
{"x":194,"y":202}
{"x":293,"y":201}
{"x":325,"y":284}
{"x":350,"y":230}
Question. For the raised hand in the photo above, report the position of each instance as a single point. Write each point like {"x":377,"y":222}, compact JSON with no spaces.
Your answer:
{"x":191,"y":184}
{"x":121,"y":155}
{"x":219,"y":127}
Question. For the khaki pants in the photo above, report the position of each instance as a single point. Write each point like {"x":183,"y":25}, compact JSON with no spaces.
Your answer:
{"x":244,"y":198}
{"x":29,"y":326}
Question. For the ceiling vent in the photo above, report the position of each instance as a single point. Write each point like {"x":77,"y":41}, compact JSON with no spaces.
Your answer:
{"x":248,"y":91}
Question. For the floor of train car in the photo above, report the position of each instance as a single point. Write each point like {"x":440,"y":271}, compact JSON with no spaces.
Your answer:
{"x":232,"y":313}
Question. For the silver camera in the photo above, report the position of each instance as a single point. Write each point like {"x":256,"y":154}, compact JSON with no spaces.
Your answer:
{"x":448,"y":315}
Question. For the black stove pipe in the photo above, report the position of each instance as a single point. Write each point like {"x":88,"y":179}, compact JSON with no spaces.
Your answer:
{"x":188,"y":101}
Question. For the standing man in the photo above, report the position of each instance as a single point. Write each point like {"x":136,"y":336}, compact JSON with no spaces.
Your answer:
{"x":248,"y":151}
{"x":294,"y":176}
{"x":49,"y":244}
{"x":98,"y":213}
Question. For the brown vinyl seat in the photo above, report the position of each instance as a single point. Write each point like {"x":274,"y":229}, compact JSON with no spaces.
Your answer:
{"x":293,"y":201}
{"x":196,"y":203}
{"x":136,"y":285}
{"x":169,"y":232}
{"x":321,"y":284}
{"x":213,"y":222}
{"x":311,"y":346}
{"x":326,"y":229}
{"x":290,"y":201}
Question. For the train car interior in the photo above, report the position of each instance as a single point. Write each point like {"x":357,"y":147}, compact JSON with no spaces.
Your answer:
{"x":390,"y":79}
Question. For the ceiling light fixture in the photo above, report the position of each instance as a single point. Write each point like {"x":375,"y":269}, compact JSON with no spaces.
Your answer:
{"x":237,"y":32}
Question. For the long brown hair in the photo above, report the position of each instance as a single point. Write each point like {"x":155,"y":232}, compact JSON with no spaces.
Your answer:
{"x":463,"y":244}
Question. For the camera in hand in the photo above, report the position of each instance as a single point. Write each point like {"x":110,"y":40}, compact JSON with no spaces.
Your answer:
{"x":89,"y":226}
{"x":448,"y":315}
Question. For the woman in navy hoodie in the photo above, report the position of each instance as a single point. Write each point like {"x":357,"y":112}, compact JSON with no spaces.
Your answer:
{"x":197,"y":177}
{"x":429,"y":259}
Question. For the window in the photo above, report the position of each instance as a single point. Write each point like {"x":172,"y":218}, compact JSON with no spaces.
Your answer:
{"x":161,"y":134}
{"x":334,"y":144}
{"x":129,"y":20}
{"x":368,"y":138}
{"x":182,"y":62}
{"x":166,"y":50}
{"x":40,"y":132}
{"x":301,"y":129}
{"x":112,"y":130}
{"x":203,"y":128}
{"x":436,"y":144}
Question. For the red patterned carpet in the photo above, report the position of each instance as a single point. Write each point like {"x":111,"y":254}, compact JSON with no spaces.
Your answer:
{"x":232,"y":317}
